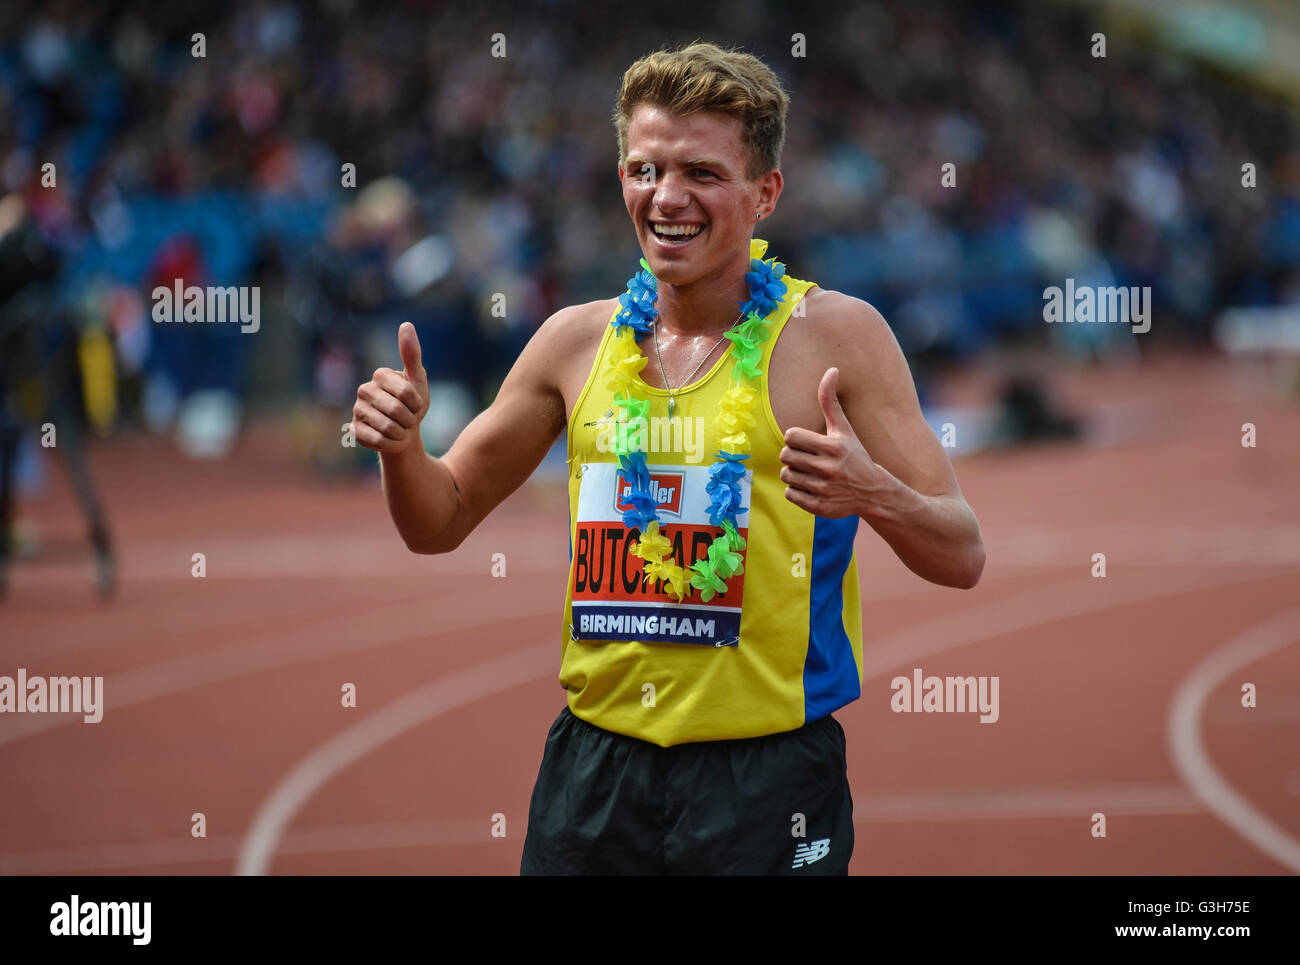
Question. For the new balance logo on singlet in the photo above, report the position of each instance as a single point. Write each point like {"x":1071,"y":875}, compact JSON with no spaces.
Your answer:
{"x":808,"y":853}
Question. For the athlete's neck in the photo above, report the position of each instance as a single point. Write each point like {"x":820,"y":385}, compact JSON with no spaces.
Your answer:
{"x":708,"y":304}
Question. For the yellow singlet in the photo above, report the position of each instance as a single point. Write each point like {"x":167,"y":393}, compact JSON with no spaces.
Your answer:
{"x":781,"y":648}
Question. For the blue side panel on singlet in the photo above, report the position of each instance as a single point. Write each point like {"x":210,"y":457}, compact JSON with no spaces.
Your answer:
{"x":830,"y":674}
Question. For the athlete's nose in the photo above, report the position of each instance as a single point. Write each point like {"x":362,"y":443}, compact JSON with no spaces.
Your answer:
{"x":670,"y":194}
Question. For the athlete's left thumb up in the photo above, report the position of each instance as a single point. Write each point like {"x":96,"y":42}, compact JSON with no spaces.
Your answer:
{"x":827,"y":395}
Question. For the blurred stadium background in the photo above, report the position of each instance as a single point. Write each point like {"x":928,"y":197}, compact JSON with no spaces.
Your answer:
{"x":477,"y":176}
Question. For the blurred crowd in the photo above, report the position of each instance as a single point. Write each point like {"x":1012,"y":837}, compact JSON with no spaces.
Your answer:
{"x":475,"y":175}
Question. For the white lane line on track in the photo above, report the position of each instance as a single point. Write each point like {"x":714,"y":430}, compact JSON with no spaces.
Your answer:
{"x":967,"y":804}
{"x":1049,"y":604}
{"x":973,"y":626}
{"x":280,"y":556}
{"x":1188,"y":751}
{"x":99,"y":633}
{"x":958,"y":804}
{"x":352,"y":631}
{"x":225,"y":847}
{"x":348,"y":633}
{"x":262,"y":556}
{"x":395,"y":718}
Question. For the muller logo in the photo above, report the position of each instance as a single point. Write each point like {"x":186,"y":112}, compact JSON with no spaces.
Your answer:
{"x":666,"y":487}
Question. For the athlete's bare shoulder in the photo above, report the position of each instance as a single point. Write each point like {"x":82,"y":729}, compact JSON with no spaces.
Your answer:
{"x":833,"y":329}
{"x":848,"y":332}
{"x":577,"y":325}
{"x":567,"y":344}
{"x":835,"y":318}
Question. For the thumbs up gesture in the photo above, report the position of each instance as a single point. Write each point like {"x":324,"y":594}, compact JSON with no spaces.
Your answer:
{"x":830,"y":474}
{"x":387,"y":414}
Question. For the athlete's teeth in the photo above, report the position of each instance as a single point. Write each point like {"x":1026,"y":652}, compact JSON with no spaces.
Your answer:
{"x":677,"y":231}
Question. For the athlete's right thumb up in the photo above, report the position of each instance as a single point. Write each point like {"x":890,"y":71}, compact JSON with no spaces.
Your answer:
{"x":388,"y":410}
{"x":408,"y":344}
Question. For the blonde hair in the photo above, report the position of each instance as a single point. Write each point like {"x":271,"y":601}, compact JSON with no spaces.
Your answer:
{"x":704,"y":77}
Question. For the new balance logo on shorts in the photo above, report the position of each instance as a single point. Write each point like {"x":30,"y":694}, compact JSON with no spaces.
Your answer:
{"x":808,"y":853}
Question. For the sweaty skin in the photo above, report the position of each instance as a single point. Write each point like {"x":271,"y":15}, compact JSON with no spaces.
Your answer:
{"x":856,"y":441}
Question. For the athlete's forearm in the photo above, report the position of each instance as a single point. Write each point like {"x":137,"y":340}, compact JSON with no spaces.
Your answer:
{"x":936,"y":537}
{"x":422,"y":499}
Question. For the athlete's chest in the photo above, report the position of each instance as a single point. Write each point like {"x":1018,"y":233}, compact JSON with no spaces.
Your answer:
{"x":799,"y":360}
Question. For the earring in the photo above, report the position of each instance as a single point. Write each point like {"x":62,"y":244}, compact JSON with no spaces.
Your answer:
{"x":757,"y":216}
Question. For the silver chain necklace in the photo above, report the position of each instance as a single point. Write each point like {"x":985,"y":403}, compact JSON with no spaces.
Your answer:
{"x":672,"y":393}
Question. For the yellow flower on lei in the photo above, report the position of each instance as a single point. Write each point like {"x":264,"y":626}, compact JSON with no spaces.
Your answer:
{"x":735,"y":445}
{"x":652,"y":547}
{"x":675,"y":577}
{"x":737,"y":414}
{"x":625,"y":363}
{"x":739,"y":397}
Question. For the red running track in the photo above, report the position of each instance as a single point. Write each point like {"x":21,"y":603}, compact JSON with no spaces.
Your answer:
{"x":223,"y":693}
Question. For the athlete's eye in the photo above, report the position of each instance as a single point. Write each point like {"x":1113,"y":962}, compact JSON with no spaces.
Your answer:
{"x":704,"y":171}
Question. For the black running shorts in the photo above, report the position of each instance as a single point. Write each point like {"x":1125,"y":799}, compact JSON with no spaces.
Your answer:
{"x":608,"y":804}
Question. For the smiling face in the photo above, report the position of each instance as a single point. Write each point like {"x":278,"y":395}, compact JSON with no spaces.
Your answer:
{"x":688,"y":193}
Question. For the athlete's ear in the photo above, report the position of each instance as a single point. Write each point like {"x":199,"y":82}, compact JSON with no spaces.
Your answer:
{"x":770,"y":186}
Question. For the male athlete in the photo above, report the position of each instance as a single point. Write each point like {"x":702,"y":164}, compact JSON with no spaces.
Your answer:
{"x":698,"y":736}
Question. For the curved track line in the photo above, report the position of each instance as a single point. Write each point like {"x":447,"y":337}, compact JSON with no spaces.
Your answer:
{"x":956,"y":804}
{"x":992,"y":619}
{"x":355,"y":632}
{"x":1071,"y":598}
{"x":395,"y":718}
{"x":1188,"y":752}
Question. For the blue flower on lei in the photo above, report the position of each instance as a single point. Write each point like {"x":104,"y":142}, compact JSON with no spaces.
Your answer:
{"x":724,"y":488}
{"x":766,"y":288}
{"x":638,"y":302}
{"x":634,"y":472}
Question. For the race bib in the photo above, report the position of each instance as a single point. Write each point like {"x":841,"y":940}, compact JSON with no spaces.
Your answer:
{"x":612,"y":599}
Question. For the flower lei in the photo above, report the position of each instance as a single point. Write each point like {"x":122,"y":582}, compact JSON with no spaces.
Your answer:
{"x":725,"y":556}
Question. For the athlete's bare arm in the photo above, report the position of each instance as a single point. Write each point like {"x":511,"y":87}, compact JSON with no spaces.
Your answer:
{"x":437,"y":502}
{"x":857,"y":443}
